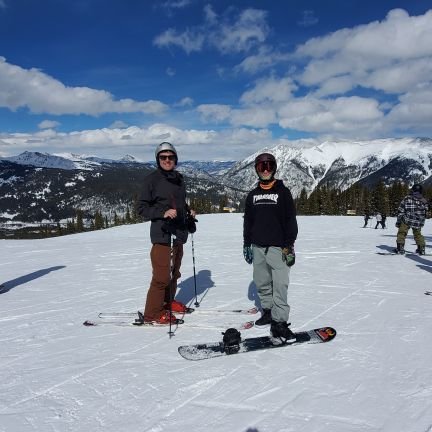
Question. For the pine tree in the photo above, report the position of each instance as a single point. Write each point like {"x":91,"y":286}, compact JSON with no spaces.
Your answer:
{"x":128,"y":218}
{"x":116,"y":219}
{"x":79,"y":222}
{"x":98,"y":221}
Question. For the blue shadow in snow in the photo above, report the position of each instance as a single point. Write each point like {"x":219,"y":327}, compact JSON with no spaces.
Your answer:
{"x":186,"y":289}
{"x":7,"y":286}
{"x":422,"y":263}
{"x":253,"y":295}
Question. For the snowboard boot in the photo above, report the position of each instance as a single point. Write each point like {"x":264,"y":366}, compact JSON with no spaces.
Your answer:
{"x":281,"y":334}
{"x":400,"y":248}
{"x":421,"y":250}
{"x":176,"y":306}
{"x":265,"y":318}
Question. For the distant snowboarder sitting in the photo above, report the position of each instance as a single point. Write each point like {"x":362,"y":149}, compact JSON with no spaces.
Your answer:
{"x":269,"y":232}
{"x":411,"y":214}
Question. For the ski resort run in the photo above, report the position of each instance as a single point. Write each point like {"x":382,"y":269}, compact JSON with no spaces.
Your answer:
{"x":59,"y":375}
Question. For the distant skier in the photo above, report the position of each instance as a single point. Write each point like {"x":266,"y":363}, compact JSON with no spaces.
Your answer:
{"x":411,"y":214}
{"x":163,"y":201}
{"x":383,"y":220}
{"x":366,"y":220}
{"x":378,"y":220}
{"x":269,"y":232}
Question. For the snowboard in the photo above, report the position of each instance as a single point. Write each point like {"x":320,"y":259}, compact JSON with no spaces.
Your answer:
{"x":217,"y":349}
{"x":405,"y":254}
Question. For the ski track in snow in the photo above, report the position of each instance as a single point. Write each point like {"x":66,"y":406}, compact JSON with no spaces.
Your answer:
{"x":57,"y":375}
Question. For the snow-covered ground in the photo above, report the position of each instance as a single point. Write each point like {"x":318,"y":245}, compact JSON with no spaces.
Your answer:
{"x":57,"y":375}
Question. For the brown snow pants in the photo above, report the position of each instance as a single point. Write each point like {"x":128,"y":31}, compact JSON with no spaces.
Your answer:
{"x":162,"y":286}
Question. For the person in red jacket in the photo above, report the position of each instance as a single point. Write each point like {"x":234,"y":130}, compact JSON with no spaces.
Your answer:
{"x":269,"y":232}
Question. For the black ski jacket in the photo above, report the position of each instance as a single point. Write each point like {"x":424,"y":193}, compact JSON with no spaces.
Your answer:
{"x":270,"y":217}
{"x":164,"y":190}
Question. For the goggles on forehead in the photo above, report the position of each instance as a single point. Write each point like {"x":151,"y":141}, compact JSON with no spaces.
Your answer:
{"x":265,"y":166}
{"x":167,"y":157}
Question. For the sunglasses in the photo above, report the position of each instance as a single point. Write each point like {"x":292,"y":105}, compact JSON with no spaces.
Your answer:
{"x":167,"y":157}
{"x":265,"y":166}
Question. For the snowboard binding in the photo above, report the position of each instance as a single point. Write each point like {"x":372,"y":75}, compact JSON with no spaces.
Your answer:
{"x":231,"y":341}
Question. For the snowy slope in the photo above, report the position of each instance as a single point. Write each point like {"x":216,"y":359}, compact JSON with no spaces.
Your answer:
{"x":57,"y":375}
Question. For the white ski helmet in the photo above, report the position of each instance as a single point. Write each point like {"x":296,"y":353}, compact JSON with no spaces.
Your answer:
{"x":165,"y":146}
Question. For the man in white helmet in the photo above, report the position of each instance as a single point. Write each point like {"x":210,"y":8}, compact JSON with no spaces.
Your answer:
{"x":163,"y":201}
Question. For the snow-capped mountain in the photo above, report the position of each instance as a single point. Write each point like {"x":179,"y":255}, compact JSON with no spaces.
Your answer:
{"x":40,"y":186}
{"x":342,"y":164}
{"x":66,"y":161}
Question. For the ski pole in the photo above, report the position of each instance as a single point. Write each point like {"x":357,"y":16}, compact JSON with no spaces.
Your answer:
{"x":193,"y":262}
{"x":171,"y":333}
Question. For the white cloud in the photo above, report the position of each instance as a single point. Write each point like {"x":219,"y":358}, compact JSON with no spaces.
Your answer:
{"x":170,"y":72}
{"x":185,"y":102}
{"x":308,"y":19}
{"x":353,"y":115}
{"x":228,"y":33}
{"x":414,"y":110}
{"x":376,"y":55}
{"x":118,"y":124}
{"x":41,"y":93}
{"x":214,"y":112}
{"x":265,"y":58}
{"x":190,"y":143}
{"x":242,"y":33}
{"x":48,"y":124}
{"x":269,"y":90}
{"x":189,"y":40}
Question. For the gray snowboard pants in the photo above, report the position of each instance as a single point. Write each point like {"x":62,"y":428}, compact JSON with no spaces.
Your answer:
{"x":271,"y":277}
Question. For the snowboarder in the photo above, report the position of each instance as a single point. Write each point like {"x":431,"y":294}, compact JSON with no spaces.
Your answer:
{"x":163,"y":201}
{"x":269,"y":232}
{"x":411,"y":214}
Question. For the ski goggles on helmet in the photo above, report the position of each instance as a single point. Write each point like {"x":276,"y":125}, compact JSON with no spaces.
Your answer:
{"x":265,"y":166}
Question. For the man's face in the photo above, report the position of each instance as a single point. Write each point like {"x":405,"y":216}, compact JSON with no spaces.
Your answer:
{"x":265,"y":170}
{"x":166,"y":160}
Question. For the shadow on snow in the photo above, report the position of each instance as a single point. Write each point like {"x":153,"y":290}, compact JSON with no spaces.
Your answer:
{"x":7,"y":286}
{"x":186,"y":289}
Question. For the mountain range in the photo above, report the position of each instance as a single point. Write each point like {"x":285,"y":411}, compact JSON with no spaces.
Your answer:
{"x":37,"y":187}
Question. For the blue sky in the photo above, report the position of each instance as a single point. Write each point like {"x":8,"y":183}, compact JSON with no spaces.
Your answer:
{"x":219,"y":79}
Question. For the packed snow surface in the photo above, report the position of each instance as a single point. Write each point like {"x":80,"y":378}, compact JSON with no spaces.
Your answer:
{"x":57,"y":375}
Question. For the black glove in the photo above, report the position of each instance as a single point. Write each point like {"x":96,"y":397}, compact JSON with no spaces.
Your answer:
{"x":248,"y":254}
{"x":190,"y":223}
{"x":288,"y":255}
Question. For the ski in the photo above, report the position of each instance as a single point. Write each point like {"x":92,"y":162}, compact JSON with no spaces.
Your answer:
{"x":428,"y":293}
{"x":89,"y":323}
{"x":112,"y":315}
{"x":219,"y":349}
{"x":405,"y":254}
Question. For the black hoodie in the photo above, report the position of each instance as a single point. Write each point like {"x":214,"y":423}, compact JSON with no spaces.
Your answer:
{"x":270,"y":217}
